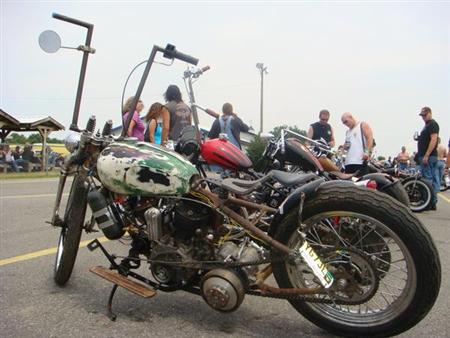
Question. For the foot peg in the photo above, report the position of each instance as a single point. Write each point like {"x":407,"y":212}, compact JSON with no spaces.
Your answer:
{"x":121,"y":280}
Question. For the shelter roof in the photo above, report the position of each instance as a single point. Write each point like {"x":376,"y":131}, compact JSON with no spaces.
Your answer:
{"x":6,"y":119}
{"x":7,"y":122}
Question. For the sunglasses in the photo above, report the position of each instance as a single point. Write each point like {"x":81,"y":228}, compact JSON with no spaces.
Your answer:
{"x":345,"y":121}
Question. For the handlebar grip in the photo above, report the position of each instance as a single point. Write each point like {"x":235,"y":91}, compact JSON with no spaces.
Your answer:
{"x":204,"y":69}
{"x":171,"y":52}
{"x":186,"y":58}
{"x":71,"y":20}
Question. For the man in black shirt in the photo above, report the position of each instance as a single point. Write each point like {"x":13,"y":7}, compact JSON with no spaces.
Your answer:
{"x":426,"y":151}
{"x":322,"y":129}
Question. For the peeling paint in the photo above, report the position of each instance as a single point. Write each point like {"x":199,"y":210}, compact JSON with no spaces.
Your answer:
{"x":144,"y":169}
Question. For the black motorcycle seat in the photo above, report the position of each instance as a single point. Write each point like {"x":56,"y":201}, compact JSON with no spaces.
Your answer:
{"x":343,"y":176}
{"x":244,"y":187}
{"x":291,"y":179}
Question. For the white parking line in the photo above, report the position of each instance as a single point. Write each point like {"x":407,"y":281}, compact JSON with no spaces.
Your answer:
{"x":444,"y":198}
{"x":44,"y":252}
{"x":29,"y":196}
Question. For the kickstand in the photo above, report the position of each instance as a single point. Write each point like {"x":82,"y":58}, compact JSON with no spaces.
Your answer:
{"x":110,"y":313}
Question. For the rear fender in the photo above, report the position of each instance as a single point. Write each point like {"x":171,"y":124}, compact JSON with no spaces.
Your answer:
{"x":384,"y":181}
{"x":293,"y":200}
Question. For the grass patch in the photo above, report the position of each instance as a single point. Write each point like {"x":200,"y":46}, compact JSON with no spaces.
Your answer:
{"x":36,"y":174}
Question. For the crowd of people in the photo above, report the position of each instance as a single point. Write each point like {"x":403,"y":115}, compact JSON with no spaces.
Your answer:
{"x":19,"y":158}
{"x":431,"y":157}
{"x":166,"y":121}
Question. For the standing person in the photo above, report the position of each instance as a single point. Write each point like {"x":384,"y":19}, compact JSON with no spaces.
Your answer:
{"x":447,"y":164}
{"x":322,"y":129}
{"x":427,"y":153}
{"x":230,"y":124}
{"x":136,"y":127}
{"x":358,"y":143}
{"x":158,"y":119}
{"x":442,"y":158}
{"x":402,"y":159}
{"x":180,"y":113}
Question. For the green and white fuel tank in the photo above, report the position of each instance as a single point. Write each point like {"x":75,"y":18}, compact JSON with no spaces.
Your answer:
{"x":145,"y":169}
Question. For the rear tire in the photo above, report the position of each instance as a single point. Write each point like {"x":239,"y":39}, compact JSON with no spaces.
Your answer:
{"x":397,"y":228}
{"x":420,"y":193}
{"x":70,"y":236}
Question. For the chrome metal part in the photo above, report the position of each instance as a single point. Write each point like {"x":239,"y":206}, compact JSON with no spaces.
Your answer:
{"x":223,"y":290}
{"x":153,"y":218}
{"x":72,"y":142}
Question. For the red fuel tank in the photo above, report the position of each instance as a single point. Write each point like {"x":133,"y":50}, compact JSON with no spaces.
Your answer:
{"x":225,"y":154}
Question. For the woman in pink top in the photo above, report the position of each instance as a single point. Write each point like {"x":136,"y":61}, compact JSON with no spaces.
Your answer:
{"x":136,"y":127}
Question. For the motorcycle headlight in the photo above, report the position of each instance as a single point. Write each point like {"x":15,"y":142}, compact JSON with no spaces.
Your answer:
{"x":72,"y":142}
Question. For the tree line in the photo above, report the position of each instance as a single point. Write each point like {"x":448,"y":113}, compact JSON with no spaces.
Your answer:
{"x":16,"y":138}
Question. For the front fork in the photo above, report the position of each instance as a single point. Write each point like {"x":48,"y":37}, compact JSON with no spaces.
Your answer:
{"x":56,"y":220}
{"x":66,"y":170}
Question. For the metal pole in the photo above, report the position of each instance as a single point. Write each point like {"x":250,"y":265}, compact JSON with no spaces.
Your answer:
{"x":90,"y":30}
{"x":194,"y":108}
{"x":261,"y":104}
{"x":262,"y":70}
{"x":140,"y":88}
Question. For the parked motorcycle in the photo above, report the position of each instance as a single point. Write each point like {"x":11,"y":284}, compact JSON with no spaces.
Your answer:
{"x":419,"y":189}
{"x":347,"y":258}
{"x":292,"y":154}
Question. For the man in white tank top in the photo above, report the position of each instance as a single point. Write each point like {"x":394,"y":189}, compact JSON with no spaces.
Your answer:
{"x":358,"y":143}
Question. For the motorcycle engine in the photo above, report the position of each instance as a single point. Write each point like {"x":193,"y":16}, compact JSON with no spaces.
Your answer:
{"x":179,"y":231}
{"x":224,"y":289}
{"x":244,"y":252}
{"x":188,"y":216}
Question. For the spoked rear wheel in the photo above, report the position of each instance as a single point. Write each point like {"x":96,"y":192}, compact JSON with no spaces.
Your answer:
{"x":70,"y":236}
{"x":386,"y":267}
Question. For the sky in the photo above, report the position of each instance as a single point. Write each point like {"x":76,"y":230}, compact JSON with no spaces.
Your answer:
{"x":380,"y":60}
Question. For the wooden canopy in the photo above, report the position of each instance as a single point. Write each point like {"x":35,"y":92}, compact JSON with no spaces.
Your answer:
{"x":43,"y":125}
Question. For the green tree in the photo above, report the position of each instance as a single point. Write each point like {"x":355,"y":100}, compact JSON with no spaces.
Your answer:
{"x":34,"y":138}
{"x":54,"y":140}
{"x":255,"y":150}
{"x":277,"y":131}
{"x":15,"y":138}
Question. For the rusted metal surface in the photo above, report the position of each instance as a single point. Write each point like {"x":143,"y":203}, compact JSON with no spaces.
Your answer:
{"x":116,"y":278}
{"x":264,"y":288}
{"x":247,"y":225}
{"x":250,"y":205}
{"x":262,"y":275}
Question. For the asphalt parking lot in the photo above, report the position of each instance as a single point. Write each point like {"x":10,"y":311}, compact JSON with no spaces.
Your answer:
{"x":31,"y":305}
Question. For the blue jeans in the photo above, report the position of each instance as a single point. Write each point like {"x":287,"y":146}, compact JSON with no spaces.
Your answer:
{"x":430,"y":172}
{"x":440,"y":169}
{"x":403,"y":165}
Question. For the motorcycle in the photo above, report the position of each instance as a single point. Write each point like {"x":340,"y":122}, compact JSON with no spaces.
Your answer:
{"x":293,"y":155}
{"x":347,"y":258}
{"x":419,"y":189}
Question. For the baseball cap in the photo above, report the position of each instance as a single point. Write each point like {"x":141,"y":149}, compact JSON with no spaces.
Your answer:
{"x":425,"y":111}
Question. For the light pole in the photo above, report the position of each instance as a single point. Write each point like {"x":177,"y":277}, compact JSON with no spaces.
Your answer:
{"x":262,"y":71}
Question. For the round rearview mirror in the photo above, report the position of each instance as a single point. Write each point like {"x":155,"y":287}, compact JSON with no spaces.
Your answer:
{"x":49,"y":41}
